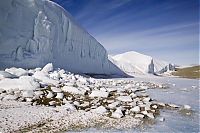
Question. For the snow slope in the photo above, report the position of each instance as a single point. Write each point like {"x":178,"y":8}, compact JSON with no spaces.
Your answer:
{"x":135,"y":63}
{"x":36,"y":32}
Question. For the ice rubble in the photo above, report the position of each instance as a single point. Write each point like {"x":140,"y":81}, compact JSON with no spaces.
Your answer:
{"x":115,"y":103}
{"x":135,"y":63}
{"x":36,"y":32}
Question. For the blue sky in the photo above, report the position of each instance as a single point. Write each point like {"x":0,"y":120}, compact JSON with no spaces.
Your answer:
{"x":165,"y":29}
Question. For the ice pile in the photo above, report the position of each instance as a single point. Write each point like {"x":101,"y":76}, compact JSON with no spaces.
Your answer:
{"x":35,"y":32}
{"x":113,"y":98}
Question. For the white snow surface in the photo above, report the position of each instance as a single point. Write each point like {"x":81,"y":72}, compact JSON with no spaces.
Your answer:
{"x":36,"y":32}
{"x":134,"y":63}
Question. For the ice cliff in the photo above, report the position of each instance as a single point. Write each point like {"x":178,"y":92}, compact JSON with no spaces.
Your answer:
{"x":36,"y":32}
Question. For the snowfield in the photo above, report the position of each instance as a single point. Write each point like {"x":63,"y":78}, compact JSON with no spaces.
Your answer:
{"x":77,"y":103}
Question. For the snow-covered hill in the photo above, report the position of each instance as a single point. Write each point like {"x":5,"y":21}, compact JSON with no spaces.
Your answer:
{"x":135,"y":63}
{"x":36,"y":32}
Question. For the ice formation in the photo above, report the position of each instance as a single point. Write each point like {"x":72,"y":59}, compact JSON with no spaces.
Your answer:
{"x":135,"y":63}
{"x":36,"y":32}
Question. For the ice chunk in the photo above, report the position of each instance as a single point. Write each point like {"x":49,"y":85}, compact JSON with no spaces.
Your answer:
{"x":98,"y":93}
{"x":17,"y":71}
{"x":187,"y":107}
{"x":113,"y":105}
{"x":82,"y":80}
{"x":55,"y":75}
{"x":135,"y":109}
{"x":150,"y":115}
{"x":73,"y":90}
{"x":139,"y":116}
{"x":50,"y":94}
{"x":39,"y":75}
{"x":100,"y":110}
{"x":124,"y":98}
{"x":69,"y":106}
{"x":23,"y":83}
{"x":117,"y":113}
{"x":60,"y":95}
{"x":47,"y":68}
{"x":4,"y":74}
{"x":162,"y":119}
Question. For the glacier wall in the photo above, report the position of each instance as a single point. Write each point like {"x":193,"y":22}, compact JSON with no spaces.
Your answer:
{"x":36,"y":32}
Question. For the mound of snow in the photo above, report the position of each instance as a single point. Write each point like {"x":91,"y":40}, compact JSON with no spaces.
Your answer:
{"x":36,"y":32}
{"x":135,"y":63}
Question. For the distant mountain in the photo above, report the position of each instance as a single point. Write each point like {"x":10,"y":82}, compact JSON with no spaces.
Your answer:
{"x":36,"y":32}
{"x":134,"y":63}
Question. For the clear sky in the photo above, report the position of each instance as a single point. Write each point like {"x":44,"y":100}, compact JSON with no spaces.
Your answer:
{"x":165,"y":29}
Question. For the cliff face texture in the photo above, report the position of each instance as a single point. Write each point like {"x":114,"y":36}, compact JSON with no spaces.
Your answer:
{"x":36,"y":32}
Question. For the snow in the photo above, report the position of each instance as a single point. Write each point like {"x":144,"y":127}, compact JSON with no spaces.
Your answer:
{"x":36,"y":32}
{"x":23,"y":83}
{"x":98,"y":93}
{"x":134,"y":63}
